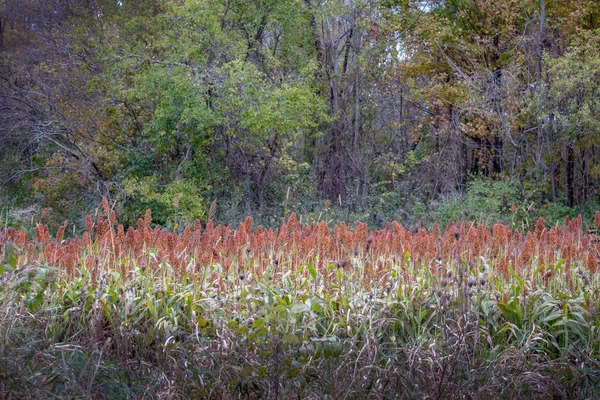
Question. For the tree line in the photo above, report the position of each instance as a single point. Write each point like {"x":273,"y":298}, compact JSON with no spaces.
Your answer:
{"x":384,"y":107}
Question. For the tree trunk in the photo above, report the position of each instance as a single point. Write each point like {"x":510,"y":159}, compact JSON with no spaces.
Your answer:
{"x":337,"y":187}
{"x":356,"y":89}
{"x":464,"y":176}
{"x":554,"y":181}
{"x":2,"y":23}
{"x":586,"y":185}
{"x":540,"y":39}
{"x":569,"y":173}
{"x":497,"y":154}
{"x":538,"y":78}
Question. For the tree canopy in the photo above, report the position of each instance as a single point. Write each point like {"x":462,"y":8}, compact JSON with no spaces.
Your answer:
{"x":384,"y":108}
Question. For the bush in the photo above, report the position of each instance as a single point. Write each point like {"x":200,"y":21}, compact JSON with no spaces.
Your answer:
{"x":489,"y":202}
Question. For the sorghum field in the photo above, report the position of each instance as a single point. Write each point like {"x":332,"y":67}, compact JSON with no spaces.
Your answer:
{"x":302,"y":311}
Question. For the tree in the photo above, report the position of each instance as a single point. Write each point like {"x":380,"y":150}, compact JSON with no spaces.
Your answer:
{"x":569,"y":106}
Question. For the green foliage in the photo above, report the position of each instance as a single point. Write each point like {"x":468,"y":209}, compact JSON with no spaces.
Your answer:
{"x":570,"y":102}
{"x":175,"y":203}
{"x":556,"y":212}
{"x":258,"y":112}
{"x":487,"y":201}
{"x":491,"y":201}
{"x":222,"y":124}
{"x":9,"y":258}
{"x":180,"y":107}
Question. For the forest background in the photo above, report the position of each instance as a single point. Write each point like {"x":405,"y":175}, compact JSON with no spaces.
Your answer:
{"x":371,"y":110}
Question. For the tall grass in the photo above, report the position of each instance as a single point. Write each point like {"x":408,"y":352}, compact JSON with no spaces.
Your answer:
{"x":300,"y":311}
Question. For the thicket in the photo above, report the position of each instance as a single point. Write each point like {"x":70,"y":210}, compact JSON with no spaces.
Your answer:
{"x":390,"y":110}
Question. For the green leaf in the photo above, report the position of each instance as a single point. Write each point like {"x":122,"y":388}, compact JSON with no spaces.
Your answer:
{"x":291,"y":339}
{"x":10,"y":258}
{"x":34,"y":303}
{"x":299,"y":308}
{"x":259,"y":322}
{"x":312,"y":271}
